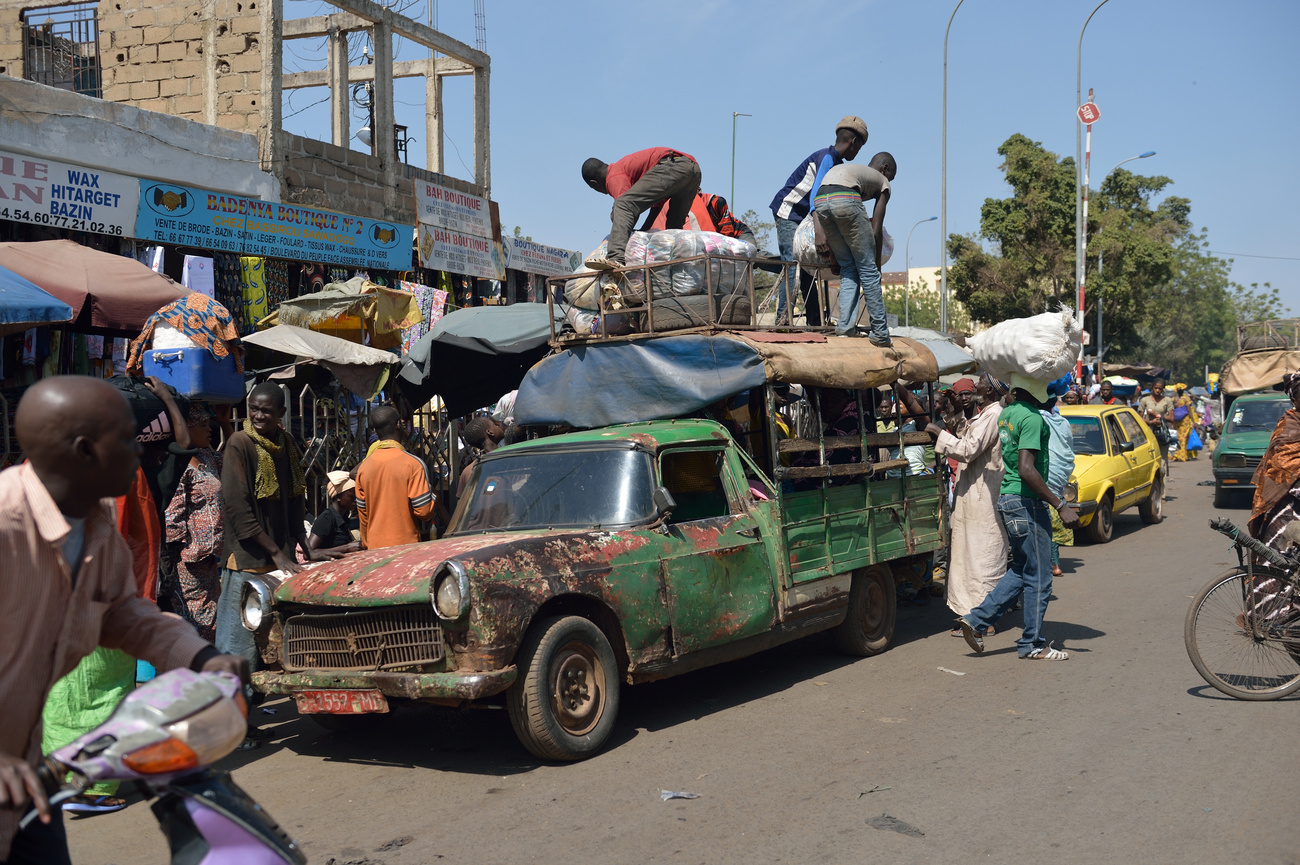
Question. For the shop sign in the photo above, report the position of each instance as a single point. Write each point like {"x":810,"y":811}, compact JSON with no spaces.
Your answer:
{"x":532,"y":257}
{"x":187,"y":216}
{"x":447,"y":208}
{"x":453,"y":252}
{"x":44,"y":192}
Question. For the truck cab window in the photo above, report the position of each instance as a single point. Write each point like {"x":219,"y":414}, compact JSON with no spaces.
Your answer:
{"x":695,"y":480}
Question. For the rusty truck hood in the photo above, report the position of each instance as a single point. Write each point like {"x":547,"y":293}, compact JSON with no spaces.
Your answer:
{"x":397,"y":575}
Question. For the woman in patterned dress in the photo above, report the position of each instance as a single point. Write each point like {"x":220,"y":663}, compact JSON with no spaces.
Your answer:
{"x":194,"y":529}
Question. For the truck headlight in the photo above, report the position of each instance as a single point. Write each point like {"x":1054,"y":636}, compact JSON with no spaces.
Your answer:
{"x":450,"y":590}
{"x":256,"y":604}
{"x":1232,"y":461}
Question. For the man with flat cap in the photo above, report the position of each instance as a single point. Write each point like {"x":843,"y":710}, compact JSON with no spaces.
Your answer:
{"x":66,"y":583}
{"x":642,"y":181}
{"x":793,"y":201}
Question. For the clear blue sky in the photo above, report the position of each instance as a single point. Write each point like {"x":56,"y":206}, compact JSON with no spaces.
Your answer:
{"x":1210,"y":86}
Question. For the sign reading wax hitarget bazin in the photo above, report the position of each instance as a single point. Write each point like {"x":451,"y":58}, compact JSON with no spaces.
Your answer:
{"x":187,"y":216}
{"x":44,"y":192}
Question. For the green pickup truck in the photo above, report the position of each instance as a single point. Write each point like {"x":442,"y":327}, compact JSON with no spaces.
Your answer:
{"x":1250,"y":422}
{"x":576,"y":563}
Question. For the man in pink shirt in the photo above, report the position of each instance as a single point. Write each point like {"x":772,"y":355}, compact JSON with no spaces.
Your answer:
{"x":640,"y":182}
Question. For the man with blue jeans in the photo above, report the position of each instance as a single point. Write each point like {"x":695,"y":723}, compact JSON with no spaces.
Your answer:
{"x":793,"y":202}
{"x":854,"y":239}
{"x":1023,"y":504}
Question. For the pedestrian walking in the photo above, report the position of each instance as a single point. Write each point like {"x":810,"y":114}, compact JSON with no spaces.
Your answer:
{"x":393,"y":492}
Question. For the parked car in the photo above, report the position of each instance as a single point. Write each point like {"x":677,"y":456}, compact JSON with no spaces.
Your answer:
{"x":1116,"y":466}
{"x":1250,"y":422}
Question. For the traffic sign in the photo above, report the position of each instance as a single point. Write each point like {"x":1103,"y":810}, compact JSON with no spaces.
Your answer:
{"x":1089,"y":113}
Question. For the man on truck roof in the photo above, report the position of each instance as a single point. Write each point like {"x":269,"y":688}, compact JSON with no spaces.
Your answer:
{"x":639,"y":182}
{"x":793,"y":201}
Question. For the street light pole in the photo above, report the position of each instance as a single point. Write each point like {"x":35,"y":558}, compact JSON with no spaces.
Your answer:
{"x":1079,"y":227}
{"x":907,"y":266}
{"x":734,"y":115}
{"x":943,"y":186}
{"x":1100,"y":255}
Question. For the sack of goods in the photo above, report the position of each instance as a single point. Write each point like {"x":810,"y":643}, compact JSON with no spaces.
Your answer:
{"x":1043,"y":347}
{"x":675,"y":244}
{"x":805,"y":245}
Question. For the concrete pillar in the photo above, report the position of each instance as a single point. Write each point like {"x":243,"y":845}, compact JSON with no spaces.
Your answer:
{"x":433,"y":134}
{"x":272,"y":46}
{"x":340,"y":94}
{"x":482,"y":159}
{"x":383,"y":131}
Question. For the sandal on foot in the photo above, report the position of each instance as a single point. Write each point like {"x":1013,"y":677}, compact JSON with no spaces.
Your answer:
{"x":93,"y":804}
{"x":1047,"y":653}
{"x":974,"y":640}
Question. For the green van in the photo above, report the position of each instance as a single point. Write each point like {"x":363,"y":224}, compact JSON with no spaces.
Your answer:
{"x":1250,"y":422}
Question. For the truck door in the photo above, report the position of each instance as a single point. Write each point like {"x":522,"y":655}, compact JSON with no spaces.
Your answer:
{"x":716,"y":567}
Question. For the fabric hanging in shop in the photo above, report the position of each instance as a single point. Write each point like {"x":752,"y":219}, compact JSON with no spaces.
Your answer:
{"x":198,"y":276}
{"x":80,"y":357}
{"x":432,"y":302}
{"x":152,"y":257}
{"x":120,"y":348}
{"x":29,"y":347}
{"x":278,"y":288}
{"x":253,"y":277}
{"x":50,"y":366}
{"x":229,"y":289}
{"x":337,"y":274}
{"x":312,"y":278}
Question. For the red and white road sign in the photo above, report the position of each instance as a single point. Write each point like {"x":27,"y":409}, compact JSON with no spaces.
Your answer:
{"x":1089,"y":113}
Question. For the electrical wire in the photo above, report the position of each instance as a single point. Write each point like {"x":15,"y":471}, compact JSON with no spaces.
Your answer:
{"x":1249,"y":255}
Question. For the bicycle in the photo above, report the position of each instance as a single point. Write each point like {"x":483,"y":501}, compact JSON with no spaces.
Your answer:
{"x":1243,"y":629}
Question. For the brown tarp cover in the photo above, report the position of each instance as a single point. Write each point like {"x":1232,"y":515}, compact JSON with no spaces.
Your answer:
{"x":1257,"y":370}
{"x":104,"y":290}
{"x":359,"y":368}
{"x":352,"y":310}
{"x":846,"y":362}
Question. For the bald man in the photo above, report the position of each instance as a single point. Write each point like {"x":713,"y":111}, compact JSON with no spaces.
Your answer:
{"x":393,"y":492}
{"x":66,"y":583}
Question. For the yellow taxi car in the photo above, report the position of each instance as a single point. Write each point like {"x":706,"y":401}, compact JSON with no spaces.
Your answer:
{"x":1116,"y":466}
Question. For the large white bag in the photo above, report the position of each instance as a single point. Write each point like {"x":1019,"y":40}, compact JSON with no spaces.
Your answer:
{"x":1043,"y":347}
{"x":805,"y":244}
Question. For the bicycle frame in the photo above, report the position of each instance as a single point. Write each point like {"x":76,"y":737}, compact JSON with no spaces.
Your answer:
{"x":1266,"y":592}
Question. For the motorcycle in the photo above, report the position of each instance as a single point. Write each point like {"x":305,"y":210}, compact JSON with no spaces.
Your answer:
{"x":163,"y":736}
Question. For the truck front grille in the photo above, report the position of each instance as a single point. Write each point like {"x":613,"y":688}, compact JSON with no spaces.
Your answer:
{"x":388,"y":639}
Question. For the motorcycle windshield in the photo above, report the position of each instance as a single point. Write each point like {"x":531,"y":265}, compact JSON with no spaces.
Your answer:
{"x":210,"y":810}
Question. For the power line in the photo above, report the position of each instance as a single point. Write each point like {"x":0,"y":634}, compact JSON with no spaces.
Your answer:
{"x":1249,"y":255}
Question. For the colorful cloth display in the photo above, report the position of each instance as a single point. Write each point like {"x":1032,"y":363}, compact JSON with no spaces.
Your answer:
{"x":207,"y":323}
{"x":432,"y":303}
{"x":252,"y":271}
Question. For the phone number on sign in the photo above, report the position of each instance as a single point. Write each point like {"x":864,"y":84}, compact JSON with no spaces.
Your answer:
{"x":37,"y":217}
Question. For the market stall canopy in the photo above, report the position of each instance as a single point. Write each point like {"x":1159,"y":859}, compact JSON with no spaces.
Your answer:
{"x":23,"y":304}
{"x":359,"y":368}
{"x":1139,"y":371}
{"x":599,"y":384}
{"x":950,"y":357}
{"x":104,"y":290}
{"x":475,"y":355}
{"x":1257,"y":370}
{"x":358,"y":310}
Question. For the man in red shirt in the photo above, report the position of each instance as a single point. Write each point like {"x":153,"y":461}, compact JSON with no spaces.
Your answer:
{"x":640,"y":182}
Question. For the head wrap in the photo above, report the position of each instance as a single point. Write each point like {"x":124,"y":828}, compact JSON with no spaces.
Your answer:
{"x":199,"y":414}
{"x":998,"y":386}
{"x":1060,"y":386}
{"x":340,"y":483}
{"x":963,"y":385}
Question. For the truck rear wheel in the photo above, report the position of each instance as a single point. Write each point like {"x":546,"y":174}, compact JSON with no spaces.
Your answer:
{"x":564,"y":703}
{"x":873,"y":609}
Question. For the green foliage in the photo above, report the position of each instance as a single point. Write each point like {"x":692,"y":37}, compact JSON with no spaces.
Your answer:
{"x":1164,"y":298}
{"x":762,"y":229}
{"x":925,"y":307}
{"x":519,"y":234}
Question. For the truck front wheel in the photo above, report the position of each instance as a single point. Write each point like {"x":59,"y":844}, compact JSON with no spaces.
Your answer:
{"x":873,"y":609}
{"x":564,"y":703}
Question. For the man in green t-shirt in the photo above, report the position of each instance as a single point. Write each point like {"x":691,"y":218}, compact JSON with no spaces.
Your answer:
{"x":1023,"y":503}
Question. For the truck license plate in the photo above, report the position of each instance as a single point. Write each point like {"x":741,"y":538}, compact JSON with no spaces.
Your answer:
{"x":340,"y":702}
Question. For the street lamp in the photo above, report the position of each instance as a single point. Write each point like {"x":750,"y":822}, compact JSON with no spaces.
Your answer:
{"x":907,"y":266}
{"x":1101,"y":252}
{"x":1079,"y":228}
{"x":943,"y":186}
{"x":734,"y":115}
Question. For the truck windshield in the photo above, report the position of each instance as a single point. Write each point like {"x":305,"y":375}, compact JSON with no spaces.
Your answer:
{"x":1256,"y":415}
{"x":557,"y":489}
{"x":1086,"y":434}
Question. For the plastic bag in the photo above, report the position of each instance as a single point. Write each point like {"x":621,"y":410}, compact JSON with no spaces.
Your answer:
{"x":1194,"y":441}
{"x":1043,"y":347}
{"x":805,"y":244}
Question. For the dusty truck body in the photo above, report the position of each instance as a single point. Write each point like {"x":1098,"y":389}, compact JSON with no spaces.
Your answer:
{"x":578,"y":563}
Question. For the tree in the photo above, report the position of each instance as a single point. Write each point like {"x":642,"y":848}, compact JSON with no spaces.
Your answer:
{"x":925,"y":307}
{"x":762,"y":230}
{"x":520,"y":234}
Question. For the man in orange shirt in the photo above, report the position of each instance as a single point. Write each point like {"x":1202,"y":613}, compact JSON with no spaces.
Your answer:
{"x":393,"y":493}
{"x":643,"y":181}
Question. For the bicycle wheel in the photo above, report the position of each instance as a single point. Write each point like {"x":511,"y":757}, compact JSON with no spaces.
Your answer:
{"x":1231,"y":643}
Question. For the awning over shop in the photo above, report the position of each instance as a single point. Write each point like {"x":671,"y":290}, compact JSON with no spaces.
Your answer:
{"x":23,"y":304}
{"x":359,"y":368}
{"x":103,"y":290}
{"x":950,"y":357}
{"x":672,"y":376}
{"x":355,"y":310}
{"x":475,"y":355}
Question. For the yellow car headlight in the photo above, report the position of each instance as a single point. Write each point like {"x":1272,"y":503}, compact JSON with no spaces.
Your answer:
{"x":1072,"y":491}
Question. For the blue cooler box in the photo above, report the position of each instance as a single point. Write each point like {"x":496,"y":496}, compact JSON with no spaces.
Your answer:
{"x":195,"y":373}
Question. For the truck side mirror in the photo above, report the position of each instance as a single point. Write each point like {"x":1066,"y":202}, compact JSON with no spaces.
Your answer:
{"x":664,"y":501}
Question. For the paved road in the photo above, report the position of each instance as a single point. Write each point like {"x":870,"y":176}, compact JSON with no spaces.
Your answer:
{"x":1121,"y":754}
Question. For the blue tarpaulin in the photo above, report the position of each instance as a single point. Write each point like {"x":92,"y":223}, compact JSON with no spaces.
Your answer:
{"x":23,"y":305}
{"x":598,"y":385}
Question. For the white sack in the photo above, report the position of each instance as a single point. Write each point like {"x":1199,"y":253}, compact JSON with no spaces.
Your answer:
{"x":805,"y":244}
{"x":165,"y":336}
{"x":1043,"y":347}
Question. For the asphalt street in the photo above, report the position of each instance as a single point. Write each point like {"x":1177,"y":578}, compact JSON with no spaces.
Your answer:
{"x":926,"y":753}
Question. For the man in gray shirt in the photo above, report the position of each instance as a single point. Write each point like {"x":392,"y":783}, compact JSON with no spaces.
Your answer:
{"x":844,"y":230}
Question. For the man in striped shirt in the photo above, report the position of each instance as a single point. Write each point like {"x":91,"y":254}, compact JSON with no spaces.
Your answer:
{"x":794,"y":200}
{"x":393,"y":492}
{"x":67,"y":585}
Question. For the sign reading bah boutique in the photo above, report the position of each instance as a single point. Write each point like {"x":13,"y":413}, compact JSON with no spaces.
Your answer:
{"x":44,"y":192}
{"x":187,"y":216}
